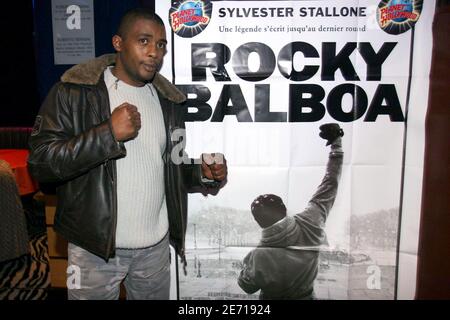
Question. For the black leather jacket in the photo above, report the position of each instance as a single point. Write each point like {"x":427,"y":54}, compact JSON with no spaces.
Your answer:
{"x":72,"y":144}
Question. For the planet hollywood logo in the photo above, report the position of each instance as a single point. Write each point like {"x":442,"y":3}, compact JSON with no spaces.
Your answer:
{"x":398,"y":16}
{"x":189,"y":18}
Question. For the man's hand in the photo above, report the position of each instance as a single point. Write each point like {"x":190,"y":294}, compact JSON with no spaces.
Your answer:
{"x":125,"y":122}
{"x":214,"y":166}
{"x":330,"y":132}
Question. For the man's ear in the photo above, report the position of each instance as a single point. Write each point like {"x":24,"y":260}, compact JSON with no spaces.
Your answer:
{"x":117,"y":42}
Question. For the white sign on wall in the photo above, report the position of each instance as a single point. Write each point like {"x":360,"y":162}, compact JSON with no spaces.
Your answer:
{"x":73,"y":31}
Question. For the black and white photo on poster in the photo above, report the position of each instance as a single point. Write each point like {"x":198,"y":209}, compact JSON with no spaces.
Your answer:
{"x":261,"y":78}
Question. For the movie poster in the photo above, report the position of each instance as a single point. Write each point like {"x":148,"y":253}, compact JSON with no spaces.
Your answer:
{"x":261,"y":77}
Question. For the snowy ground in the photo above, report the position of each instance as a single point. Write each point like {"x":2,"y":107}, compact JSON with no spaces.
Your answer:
{"x":213,"y":272}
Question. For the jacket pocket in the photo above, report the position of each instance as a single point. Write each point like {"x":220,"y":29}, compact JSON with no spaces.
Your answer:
{"x":70,"y":199}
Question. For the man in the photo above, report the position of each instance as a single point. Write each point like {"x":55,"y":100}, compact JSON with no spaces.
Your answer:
{"x":104,"y":134}
{"x":285,"y":262}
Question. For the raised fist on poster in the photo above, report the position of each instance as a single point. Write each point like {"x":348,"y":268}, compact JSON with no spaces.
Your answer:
{"x":330,"y":132}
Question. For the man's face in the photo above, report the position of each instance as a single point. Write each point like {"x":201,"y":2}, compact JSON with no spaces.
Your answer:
{"x":141,"y":51}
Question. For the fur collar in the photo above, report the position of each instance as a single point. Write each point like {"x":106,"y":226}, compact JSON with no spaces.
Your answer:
{"x":90,"y":72}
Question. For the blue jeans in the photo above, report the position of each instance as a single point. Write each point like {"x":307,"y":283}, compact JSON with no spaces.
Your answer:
{"x":145,"y":272}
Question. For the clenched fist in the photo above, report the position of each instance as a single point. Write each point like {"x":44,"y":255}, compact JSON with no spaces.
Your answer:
{"x":214,"y":166}
{"x":125,"y":122}
{"x":330,"y":132}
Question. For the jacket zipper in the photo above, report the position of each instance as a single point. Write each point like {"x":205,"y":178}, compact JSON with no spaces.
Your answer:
{"x":182,"y":249}
{"x":168,"y":144}
{"x":112,"y":241}
{"x":113,"y":181}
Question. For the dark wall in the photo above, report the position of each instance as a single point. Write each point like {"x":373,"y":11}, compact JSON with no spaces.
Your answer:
{"x":18,"y":90}
{"x":107,"y":14}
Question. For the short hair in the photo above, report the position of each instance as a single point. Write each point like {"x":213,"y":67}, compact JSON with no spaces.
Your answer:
{"x":267,"y":209}
{"x":131,"y":16}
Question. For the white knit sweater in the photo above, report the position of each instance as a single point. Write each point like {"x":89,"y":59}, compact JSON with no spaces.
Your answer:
{"x":142,"y":218}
